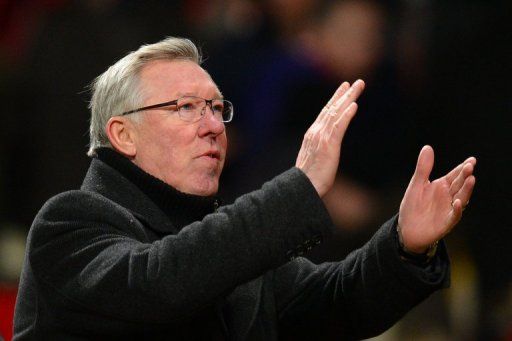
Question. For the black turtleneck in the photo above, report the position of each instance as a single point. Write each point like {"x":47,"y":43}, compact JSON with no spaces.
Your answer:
{"x":182,"y":208}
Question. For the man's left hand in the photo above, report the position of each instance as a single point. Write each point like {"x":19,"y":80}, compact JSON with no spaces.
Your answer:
{"x":429,"y":210}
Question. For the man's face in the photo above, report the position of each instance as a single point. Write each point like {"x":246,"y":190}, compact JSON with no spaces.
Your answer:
{"x":187,"y":156}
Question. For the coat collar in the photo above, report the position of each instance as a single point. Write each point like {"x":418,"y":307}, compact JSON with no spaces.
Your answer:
{"x":105,"y":180}
{"x":160,"y":206}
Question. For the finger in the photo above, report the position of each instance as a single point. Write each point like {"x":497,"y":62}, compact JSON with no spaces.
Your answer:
{"x":339,"y":92}
{"x":456,"y":185}
{"x":471,"y":160}
{"x":342,"y":89}
{"x":455,"y":214}
{"x":349,"y":96}
{"x":340,"y":126}
{"x":424,"y":165}
{"x":454,"y":172}
{"x":343,"y":104}
{"x":465,"y":192}
{"x":352,"y":93}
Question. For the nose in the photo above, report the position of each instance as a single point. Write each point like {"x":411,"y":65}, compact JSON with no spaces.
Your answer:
{"x":209,"y":124}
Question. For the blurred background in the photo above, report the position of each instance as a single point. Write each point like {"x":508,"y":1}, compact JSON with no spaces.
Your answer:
{"x":437,"y":73}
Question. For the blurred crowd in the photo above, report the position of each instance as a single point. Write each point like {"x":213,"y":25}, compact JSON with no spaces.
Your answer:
{"x":436,"y":72}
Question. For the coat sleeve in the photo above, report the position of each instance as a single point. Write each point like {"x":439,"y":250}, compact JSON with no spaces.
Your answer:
{"x":88,"y":252}
{"x":359,"y":297}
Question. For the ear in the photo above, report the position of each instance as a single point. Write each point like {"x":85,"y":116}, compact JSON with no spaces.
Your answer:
{"x":121,"y":133}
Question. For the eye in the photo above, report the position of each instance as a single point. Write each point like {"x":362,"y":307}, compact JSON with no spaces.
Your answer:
{"x":187,"y":106}
{"x":218,"y":107}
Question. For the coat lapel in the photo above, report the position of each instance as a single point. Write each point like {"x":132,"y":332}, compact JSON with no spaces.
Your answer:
{"x":105,"y":180}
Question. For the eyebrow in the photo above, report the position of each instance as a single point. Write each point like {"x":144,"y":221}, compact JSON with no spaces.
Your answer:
{"x":217,"y":96}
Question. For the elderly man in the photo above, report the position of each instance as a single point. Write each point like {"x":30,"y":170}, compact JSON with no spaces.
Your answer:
{"x":143,"y":250}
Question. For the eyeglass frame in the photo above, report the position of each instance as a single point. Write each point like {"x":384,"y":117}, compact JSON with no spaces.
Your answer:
{"x":208,"y":102}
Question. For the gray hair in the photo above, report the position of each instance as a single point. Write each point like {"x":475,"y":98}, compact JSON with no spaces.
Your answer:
{"x":117,"y":90}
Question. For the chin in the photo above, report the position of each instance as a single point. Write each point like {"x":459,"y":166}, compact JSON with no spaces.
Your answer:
{"x":205,"y":192}
{"x":204,"y":187}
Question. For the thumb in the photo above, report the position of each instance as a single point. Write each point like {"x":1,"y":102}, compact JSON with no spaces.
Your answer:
{"x":424,"y":165}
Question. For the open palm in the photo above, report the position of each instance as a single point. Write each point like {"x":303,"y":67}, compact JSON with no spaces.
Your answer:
{"x":429,"y":210}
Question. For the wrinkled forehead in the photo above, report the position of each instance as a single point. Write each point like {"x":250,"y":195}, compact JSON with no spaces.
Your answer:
{"x":177,"y":78}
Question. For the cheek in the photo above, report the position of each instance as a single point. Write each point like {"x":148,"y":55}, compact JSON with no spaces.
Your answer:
{"x":223,"y":142}
{"x":176,"y":152}
{"x":169,"y":147}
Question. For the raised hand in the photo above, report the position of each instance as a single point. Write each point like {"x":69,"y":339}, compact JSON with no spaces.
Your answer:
{"x":429,"y":210}
{"x":319,"y":155}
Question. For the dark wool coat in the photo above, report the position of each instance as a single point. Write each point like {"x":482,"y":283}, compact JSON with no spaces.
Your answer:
{"x":105,"y":262}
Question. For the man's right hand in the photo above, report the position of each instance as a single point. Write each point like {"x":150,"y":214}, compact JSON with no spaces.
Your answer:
{"x":319,"y":155}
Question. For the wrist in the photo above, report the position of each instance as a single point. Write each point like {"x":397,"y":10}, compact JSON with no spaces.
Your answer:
{"x":423,"y":256}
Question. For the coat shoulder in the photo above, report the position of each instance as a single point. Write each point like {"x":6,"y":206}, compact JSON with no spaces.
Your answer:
{"x":81,"y":210}
{"x":79,"y":205}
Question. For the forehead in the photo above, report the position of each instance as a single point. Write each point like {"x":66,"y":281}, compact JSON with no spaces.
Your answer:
{"x":167,"y":78}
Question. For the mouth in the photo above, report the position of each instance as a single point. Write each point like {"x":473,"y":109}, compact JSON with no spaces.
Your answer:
{"x":212,"y":154}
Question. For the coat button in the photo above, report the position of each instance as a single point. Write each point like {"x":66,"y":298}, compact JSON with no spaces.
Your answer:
{"x":308,"y":244}
{"x":317,"y":240}
{"x":299,"y":250}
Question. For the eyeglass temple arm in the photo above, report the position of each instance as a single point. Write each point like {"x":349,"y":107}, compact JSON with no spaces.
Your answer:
{"x":159,"y":105}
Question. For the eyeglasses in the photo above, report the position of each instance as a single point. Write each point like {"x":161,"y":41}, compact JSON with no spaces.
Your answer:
{"x":192,"y":108}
